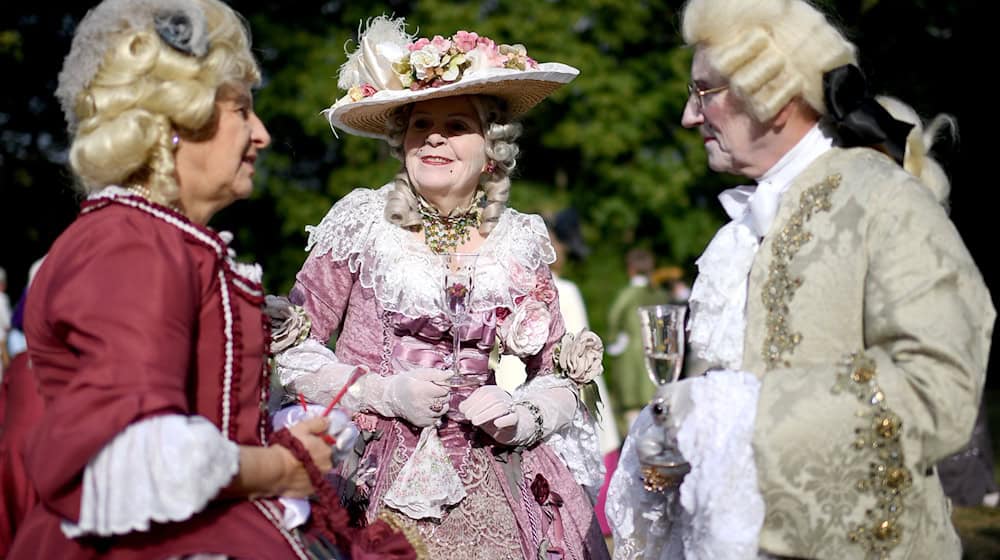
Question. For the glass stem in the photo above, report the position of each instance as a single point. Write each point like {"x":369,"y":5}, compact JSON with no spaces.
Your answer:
{"x":458,"y":346}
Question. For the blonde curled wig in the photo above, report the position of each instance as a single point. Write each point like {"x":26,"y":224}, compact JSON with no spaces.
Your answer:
{"x":143,"y":91}
{"x":771,"y":51}
{"x":402,"y":207}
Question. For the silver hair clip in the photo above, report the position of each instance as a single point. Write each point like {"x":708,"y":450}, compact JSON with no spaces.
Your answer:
{"x":176,"y":30}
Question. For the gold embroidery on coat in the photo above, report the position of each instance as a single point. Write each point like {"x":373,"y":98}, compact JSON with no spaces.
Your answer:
{"x":780,"y":285}
{"x":888,"y":477}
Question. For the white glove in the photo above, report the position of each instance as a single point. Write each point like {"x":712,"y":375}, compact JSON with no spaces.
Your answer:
{"x":494,"y":411}
{"x":419,"y":396}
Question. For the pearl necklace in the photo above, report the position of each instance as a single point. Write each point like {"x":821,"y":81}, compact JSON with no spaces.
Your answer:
{"x":144,"y":192}
{"x":445,"y":233}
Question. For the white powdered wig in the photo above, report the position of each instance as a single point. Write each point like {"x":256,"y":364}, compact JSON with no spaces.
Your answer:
{"x":770,"y":50}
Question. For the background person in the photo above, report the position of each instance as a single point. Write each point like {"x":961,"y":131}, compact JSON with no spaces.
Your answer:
{"x":629,"y":382}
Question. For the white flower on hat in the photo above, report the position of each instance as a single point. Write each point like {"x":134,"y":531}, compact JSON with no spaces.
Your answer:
{"x":424,"y":61}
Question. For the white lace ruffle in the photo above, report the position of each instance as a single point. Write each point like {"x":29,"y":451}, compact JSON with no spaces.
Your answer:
{"x":642,"y":523}
{"x":160,"y":469}
{"x":405,"y":275}
{"x":578,"y":443}
{"x":720,"y":510}
{"x":723,"y":508}
{"x":719,"y":296}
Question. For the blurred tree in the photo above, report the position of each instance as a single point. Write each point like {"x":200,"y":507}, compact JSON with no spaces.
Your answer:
{"x":609,"y":144}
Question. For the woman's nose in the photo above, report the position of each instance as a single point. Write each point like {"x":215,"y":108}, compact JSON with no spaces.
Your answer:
{"x":435,"y":138}
{"x":261,"y":137}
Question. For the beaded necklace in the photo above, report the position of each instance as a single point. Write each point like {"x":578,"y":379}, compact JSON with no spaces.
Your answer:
{"x":144,"y":192}
{"x":444,"y":233}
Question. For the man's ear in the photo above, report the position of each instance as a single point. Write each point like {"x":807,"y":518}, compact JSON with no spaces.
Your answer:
{"x":795,"y":110}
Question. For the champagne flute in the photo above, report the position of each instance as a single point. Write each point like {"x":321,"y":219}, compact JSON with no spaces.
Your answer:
{"x":663,"y":465}
{"x":459,"y":277}
{"x":663,"y":341}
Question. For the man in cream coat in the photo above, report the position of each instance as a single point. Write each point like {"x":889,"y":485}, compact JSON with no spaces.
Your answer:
{"x":840,"y":288}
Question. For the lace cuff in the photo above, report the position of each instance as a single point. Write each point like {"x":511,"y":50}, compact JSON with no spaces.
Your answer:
{"x":641,"y":521}
{"x":568,"y":428}
{"x":162,"y":469}
{"x":718,"y":510}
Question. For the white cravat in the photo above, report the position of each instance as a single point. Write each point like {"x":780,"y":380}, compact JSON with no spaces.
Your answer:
{"x":718,"y":298}
{"x":765,"y":199}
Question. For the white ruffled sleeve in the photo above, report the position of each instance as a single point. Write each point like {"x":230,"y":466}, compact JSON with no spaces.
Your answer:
{"x":641,"y":522}
{"x":718,"y":511}
{"x":161,"y":469}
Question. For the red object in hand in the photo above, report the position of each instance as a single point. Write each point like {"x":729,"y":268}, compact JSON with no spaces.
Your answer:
{"x":355,"y":375}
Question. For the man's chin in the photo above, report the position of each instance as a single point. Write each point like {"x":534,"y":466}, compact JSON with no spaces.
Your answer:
{"x":720,"y":164}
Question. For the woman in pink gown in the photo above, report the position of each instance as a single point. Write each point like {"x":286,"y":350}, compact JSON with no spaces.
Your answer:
{"x":475,"y":471}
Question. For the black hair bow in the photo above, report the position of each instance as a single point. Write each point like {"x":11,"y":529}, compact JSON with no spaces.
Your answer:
{"x":858,"y":119}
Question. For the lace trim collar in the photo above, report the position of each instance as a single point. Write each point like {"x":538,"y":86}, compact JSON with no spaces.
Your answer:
{"x":246,"y":276}
{"x":407,"y":277}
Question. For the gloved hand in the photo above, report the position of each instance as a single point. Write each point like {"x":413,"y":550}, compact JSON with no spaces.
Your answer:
{"x":419,"y":396}
{"x":494,"y":411}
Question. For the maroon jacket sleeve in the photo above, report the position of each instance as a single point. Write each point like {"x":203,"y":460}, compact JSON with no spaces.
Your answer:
{"x":110,"y":323}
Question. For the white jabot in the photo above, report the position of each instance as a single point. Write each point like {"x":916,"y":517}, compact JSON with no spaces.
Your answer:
{"x":718,"y":298}
{"x":770,"y":186}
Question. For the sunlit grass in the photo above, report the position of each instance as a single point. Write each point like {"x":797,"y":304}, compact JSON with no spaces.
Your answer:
{"x":979,"y":527}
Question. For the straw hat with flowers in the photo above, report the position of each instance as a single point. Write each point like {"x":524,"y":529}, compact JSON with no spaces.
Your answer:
{"x":391,"y":68}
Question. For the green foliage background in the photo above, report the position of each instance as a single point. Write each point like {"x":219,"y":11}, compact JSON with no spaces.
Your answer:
{"x":608,"y":144}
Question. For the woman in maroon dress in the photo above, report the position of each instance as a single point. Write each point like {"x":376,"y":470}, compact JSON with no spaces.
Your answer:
{"x":147,"y":340}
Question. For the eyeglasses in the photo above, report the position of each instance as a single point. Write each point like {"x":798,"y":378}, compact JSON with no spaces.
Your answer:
{"x":694,"y":89}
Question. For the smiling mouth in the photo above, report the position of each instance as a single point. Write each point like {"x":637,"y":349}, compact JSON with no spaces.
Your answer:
{"x":435,"y":160}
